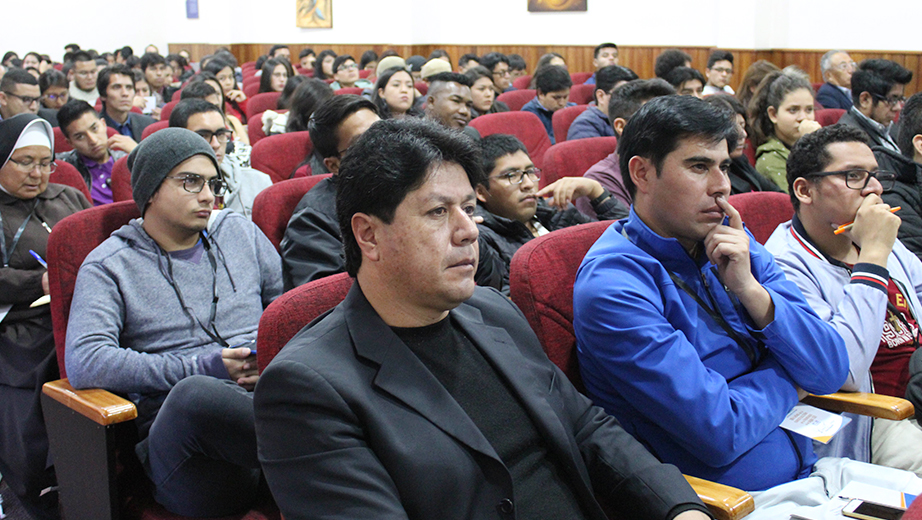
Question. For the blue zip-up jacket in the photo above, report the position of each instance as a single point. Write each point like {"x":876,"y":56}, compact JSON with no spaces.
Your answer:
{"x":591,"y":123}
{"x":653,"y":358}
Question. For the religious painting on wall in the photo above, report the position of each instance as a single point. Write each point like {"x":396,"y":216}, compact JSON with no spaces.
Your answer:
{"x":556,"y":5}
{"x":315,"y":14}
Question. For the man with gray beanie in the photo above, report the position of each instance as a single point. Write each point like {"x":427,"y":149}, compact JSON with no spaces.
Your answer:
{"x":166,"y":311}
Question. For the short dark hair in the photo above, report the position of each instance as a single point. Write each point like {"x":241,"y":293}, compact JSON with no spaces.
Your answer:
{"x":367,"y":57}
{"x":132,"y":61}
{"x":187,"y":108}
{"x":494,"y":146}
{"x":439,"y":53}
{"x":910,"y":124}
{"x":327,"y":118}
{"x":810,"y":153}
{"x":478,"y":71}
{"x":275,"y":48}
{"x":52,"y":78}
{"x":607,"y":77}
{"x":309,"y":95}
{"x":306,"y":52}
{"x":490,"y":60}
{"x":72,"y":111}
{"x":415,"y":63}
{"x":680,"y":75}
{"x":516,"y":62}
{"x":342,"y":58}
{"x":390,"y":160}
{"x":462,"y":61}
{"x":72,"y":46}
{"x":599,"y":47}
{"x":151,"y":59}
{"x":656,"y":129}
{"x":552,"y":78}
{"x":83,"y":56}
{"x":668,"y":60}
{"x":197,"y":90}
{"x":627,"y":99}
{"x":448,"y":77}
{"x":125,"y":52}
{"x":877,"y":77}
{"x":719,"y":55}
{"x":727,"y":102}
{"x":15,"y":76}
{"x":105,"y":76}
{"x":318,"y":65}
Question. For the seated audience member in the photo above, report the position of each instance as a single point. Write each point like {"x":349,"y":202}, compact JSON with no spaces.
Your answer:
{"x":31,"y":60}
{"x":594,"y":122}
{"x":368,"y":61}
{"x":513,"y":208}
{"x":604,"y":55}
{"x":29,"y":360}
{"x":242,"y":183}
{"x":181,"y":70}
{"x":551,"y":59}
{"x":781,"y":112}
{"x":751,"y":79}
{"x":862,"y":282}
{"x":395,"y":95}
{"x":154,"y":67}
{"x":440,"y":54}
{"x":94,"y":151}
{"x":346,"y":73}
{"x":83,"y":86}
{"x":690,"y":335}
{"x":312,"y":245}
{"x":625,"y":101}
{"x":116,"y":89}
{"x":687,"y":81}
{"x":469,"y":389}
{"x":276,"y":121}
{"x":142,"y":93}
{"x":239,"y":134}
{"x":211,"y":276}
{"x":309,"y":95}
{"x":552,"y":85}
{"x":907,"y":166}
{"x":307,"y":58}
{"x":19,"y":94}
{"x":466,"y":61}
{"x":448,"y":102}
{"x":837,"y":68}
{"x":670,"y":59}
{"x":53,"y":86}
{"x":877,"y":93}
{"x":719,"y":71}
{"x":8,"y":58}
{"x":235,"y":103}
{"x":517,"y":67}
{"x":498,"y":64}
{"x":744,"y":178}
{"x":323,"y":65}
{"x":280,"y":52}
{"x":415,"y":66}
{"x":482,"y":93}
{"x":275,"y":72}
{"x":432,"y":67}
{"x":122,"y":55}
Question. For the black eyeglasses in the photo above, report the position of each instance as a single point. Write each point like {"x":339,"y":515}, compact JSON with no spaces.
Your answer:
{"x":196,"y":183}
{"x":517,"y":176}
{"x":28,"y":100}
{"x":859,"y":179}
{"x":28,"y":166}
{"x":892,"y":101}
{"x":222,"y":134}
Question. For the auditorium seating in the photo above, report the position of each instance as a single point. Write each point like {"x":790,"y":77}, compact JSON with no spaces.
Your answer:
{"x":255,"y":128}
{"x":524,"y":125}
{"x":273,"y":207}
{"x":262,"y":102}
{"x":573,"y":158}
{"x":422,"y":87}
{"x":563,"y":118}
{"x":578,"y":78}
{"x":516,"y":99}
{"x":68,"y":175}
{"x":121,"y":180}
{"x":829,"y":116}
{"x":153,"y":127}
{"x":522,"y":82}
{"x":279,"y":155}
{"x":250,"y":89}
{"x":582,"y":94}
{"x":167,"y":109}
{"x":349,"y":90}
{"x":762,"y":211}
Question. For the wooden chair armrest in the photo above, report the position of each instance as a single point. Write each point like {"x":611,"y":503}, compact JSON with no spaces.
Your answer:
{"x":96,"y":404}
{"x":725,"y":502}
{"x":873,"y":405}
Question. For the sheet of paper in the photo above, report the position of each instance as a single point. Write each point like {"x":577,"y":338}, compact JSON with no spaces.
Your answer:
{"x":877,"y":494}
{"x":812,"y":422}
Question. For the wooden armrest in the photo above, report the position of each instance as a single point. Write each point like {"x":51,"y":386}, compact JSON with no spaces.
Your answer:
{"x":96,"y":404}
{"x":873,"y":405}
{"x":725,"y":502}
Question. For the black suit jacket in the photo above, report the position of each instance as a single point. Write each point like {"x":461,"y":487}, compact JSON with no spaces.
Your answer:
{"x":831,"y":96}
{"x":137,"y":123}
{"x":351,"y":424}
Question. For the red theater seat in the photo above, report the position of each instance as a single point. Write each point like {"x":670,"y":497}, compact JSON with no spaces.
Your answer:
{"x":516,"y":99}
{"x":563,"y":118}
{"x":579,"y":78}
{"x":524,"y":125}
{"x":273,"y":207}
{"x":573,"y":158}
{"x":349,"y":90}
{"x":829,"y":116}
{"x":67,"y":175}
{"x":121,"y":180}
{"x":167,"y":109}
{"x":262,"y":102}
{"x":153,"y":127}
{"x":522,"y":82}
{"x":581,"y":94}
{"x":279,"y":155}
{"x":762,"y":211}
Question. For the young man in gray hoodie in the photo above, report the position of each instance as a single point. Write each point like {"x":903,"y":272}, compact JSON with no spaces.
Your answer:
{"x":166,"y":311}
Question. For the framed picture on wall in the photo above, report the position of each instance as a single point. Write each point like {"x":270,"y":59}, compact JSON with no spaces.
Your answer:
{"x":315,"y":14}
{"x":556,"y":5}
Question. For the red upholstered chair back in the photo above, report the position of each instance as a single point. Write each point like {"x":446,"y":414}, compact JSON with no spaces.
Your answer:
{"x":563,"y":118}
{"x":524,"y":125}
{"x":250,"y":89}
{"x":176,"y":97}
{"x":573,"y":158}
{"x":262,"y":102}
{"x":516,"y":99}
{"x":541,"y":280}
{"x":70,"y":241}
{"x":69,"y":176}
{"x":363,"y":74}
{"x":578,"y":78}
{"x":167,"y":109}
{"x":292,"y":311}
{"x":60,"y":142}
{"x":816,"y":87}
{"x":255,"y":128}
{"x":522,"y":82}
{"x":829,"y":116}
{"x":581,"y":94}
{"x":153,"y":127}
{"x":279,"y":155}
{"x":121,"y":180}
{"x":422,"y":87}
{"x":349,"y":90}
{"x":273,"y":207}
{"x":750,"y":152}
{"x":762,"y":211}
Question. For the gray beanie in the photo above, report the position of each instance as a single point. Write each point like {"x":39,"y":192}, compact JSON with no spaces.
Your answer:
{"x":157,"y":155}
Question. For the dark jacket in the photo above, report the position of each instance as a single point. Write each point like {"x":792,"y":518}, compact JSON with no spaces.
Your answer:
{"x":312,"y":247}
{"x":495,"y":108}
{"x":348,"y":404}
{"x":591,"y":123}
{"x":831,"y":96}
{"x":137,"y":123}
{"x":855,"y":119}
{"x":744,"y":178}
{"x":503,"y":237}
{"x":546,"y":116}
{"x":76,"y":160}
{"x":907,"y":192}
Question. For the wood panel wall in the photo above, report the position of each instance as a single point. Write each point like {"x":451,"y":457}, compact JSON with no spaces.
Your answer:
{"x":579,"y":57}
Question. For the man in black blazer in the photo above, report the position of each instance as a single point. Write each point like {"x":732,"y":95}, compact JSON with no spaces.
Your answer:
{"x":421,"y":396}
{"x":837,"y":68}
{"x":116,"y":89}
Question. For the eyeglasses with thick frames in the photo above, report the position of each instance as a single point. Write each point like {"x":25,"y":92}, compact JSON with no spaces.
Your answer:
{"x":222,"y":134}
{"x":56,"y":97}
{"x":27,"y":100}
{"x":892,"y":101}
{"x":28,"y":166}
{"x":518,"y":176}
{"x":858,"y":179}
{"x":348,"y":66}
{"x":196,"y":183}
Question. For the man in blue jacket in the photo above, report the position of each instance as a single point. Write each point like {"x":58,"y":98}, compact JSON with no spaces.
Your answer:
{"x":687,"y":331}
{"x":594,"y":122}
